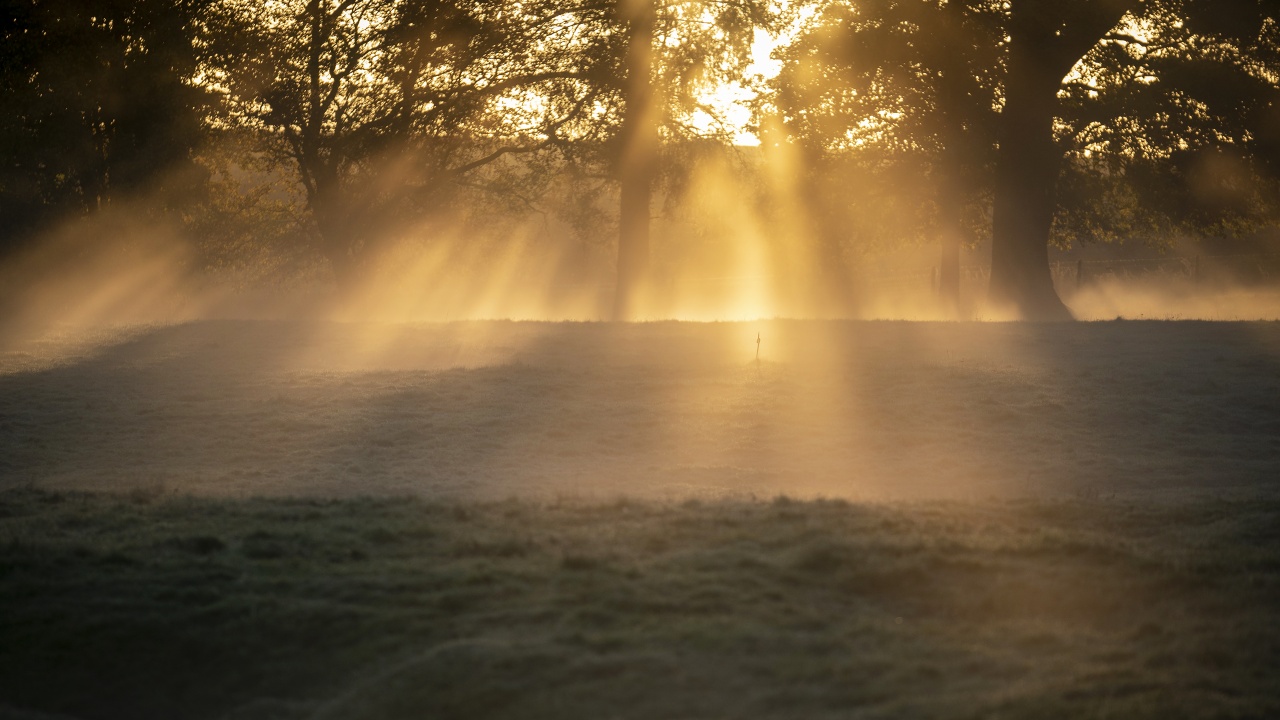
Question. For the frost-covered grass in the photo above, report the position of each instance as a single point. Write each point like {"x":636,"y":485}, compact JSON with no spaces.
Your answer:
{"x":300,"y":520}
{"x":143,"y":606}
{"x":860,"y":410}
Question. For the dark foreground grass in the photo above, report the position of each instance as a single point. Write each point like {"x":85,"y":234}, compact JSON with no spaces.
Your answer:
{"x":132,"y":606}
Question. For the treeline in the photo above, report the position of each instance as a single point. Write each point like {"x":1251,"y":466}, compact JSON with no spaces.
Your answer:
{"x":334,"y":124}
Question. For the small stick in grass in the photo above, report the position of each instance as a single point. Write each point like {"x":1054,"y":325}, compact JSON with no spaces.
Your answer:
{"x":757,"y":346}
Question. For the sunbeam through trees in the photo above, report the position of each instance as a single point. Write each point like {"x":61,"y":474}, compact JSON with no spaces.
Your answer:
{"x":639,"y":359}
{"x":595,"y":135}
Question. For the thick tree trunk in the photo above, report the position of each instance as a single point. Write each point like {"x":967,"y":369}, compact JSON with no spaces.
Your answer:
{"x":337,"y":242}
{"x":331,"y":209}
{"x":639,"y":135}
{"x":1047,"y":38}
{"x":1026,"y":179}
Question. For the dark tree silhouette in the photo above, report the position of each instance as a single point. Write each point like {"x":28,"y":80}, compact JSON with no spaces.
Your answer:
{"x":897,"y":84}
{"x":1046,"y":40}
{"x":1049,"y":95}
{"x":1206,"y":91}
{"x":383,"y":107}
{"x":1172,"y":131}
{"x":99,"y":106}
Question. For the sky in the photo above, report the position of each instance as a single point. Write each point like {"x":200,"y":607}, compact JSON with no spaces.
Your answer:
{"x":732,"y":101}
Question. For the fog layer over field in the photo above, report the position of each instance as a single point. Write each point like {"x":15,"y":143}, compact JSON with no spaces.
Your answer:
{"x":120,"y":270}
{"x":71,"y":285}
{"x":864,"y":410}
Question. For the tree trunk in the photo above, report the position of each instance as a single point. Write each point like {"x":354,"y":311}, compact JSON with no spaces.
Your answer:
{"x":957,"y":164}
{"x":331,"y":210}
{"x":1026,"y":179}
{"x":951,"y":236}
{"x":1047,"y":38}
{"x":337,"y":242}
{"x":639,"y":135}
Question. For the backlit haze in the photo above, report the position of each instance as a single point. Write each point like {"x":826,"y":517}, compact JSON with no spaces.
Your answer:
{"x":356,"y":336}
{"x":639,"y":359}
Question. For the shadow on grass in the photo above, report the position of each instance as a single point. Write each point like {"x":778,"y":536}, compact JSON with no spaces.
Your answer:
{"x":486,"y":410}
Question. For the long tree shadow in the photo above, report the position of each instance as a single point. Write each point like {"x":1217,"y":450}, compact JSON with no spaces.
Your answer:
{"x":493,"y":409}
{"x":253,"y":408}
{"x":1074,"y":408}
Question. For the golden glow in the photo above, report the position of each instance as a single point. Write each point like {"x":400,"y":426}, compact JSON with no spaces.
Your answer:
{"x":737,"y":247}
{"x":730,"y":102}
{"x":738,"y":240}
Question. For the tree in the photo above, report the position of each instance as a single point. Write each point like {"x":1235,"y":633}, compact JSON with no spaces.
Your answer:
{"x":1076,"y":95}
{"x":638,"y":141}
{"x":927,"y":78}
{"x":100,"y":106}
{"x":383,"y":107}
{"x":1046,"y":40}
{"x":1173,"y":126}
{"x":915,"y":87}
{"x":646,"y":61}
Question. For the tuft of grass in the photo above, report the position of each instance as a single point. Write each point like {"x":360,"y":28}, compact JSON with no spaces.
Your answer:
{"x":198,"y":545}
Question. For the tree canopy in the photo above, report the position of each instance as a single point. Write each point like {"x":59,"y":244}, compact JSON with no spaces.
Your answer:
{"x":101,"y":104}
{"x":1085,"y":121}
{"x":1026,"y":121}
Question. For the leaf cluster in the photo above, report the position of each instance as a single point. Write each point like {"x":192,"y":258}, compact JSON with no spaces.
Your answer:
{"x":1168,"y":125}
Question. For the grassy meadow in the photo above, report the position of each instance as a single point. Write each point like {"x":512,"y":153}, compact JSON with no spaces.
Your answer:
{"x":152,"y":604}
{"x":285,"y":521}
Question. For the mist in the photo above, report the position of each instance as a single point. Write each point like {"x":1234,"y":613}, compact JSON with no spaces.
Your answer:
{"x":737,"y":244}
{"x":563,"y":359}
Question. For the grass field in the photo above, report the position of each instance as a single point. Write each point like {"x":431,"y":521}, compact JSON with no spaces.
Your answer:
{"x":858,"y":410}
{"x":531,"y":520}
{"x":164,"y":607}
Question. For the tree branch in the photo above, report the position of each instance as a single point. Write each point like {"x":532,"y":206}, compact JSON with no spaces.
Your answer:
{"x":523,"y":149}
{"x":500,"y":87}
